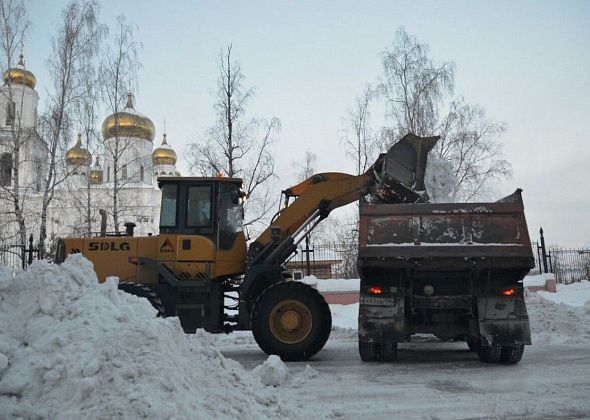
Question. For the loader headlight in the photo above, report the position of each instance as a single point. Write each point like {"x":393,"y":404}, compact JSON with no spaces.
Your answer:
{"x":428,"y":290}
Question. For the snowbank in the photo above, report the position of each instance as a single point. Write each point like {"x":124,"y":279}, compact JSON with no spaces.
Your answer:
{"x":575,"y":294}
{"x":333,"y":285}
{"x":273,"y":372}
{"x":71,"y":347}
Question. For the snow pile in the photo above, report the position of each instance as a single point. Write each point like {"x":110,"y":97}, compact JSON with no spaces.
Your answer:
{"x":73,"y":348}
{"x":303,"y":377}
{"x":575,"y":294}
{"x":558,"y":321}
{"x":537,"y":280}
{"x":332,"y":285}
{"x":273,"y":372}
{"x":439,"y":180}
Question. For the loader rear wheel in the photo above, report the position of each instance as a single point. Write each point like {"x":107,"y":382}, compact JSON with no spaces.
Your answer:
{"x":141,"y":290}
{"x":377,"y":352}
{"x":511,"y":355}
{"x":488,"y":354}
{"x":292,"y":320}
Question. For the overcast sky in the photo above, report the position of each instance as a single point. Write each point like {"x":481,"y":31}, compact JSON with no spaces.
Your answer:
{"x":527,"y":62}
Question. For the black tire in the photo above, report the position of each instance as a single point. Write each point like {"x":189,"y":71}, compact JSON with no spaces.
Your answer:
{"x":488,"y":354}
{"x":292,"y":320}
{"x":141,"y":290}
{"x":377,"y":352}
{"x":511,"y":355}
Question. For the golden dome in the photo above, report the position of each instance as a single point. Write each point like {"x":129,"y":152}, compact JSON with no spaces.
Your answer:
{"x":20,"y":75}
{"x":164,"y":155}
{"x":77,"y":155}
{"x":128,"y":123}
{"x":96,"y":174}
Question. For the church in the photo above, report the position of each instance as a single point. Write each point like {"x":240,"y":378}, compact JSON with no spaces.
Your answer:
{"x":127,"y":161}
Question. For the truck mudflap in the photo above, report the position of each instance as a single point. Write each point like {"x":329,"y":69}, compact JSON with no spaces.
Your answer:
{"x":503,"y":321}
{"x":382,"y":319}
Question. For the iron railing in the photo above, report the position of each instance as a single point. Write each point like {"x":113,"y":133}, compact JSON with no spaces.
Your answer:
{"x":18,"y":256}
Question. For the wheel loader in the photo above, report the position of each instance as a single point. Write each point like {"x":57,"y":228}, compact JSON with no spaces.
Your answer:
{"x":200,"y":260}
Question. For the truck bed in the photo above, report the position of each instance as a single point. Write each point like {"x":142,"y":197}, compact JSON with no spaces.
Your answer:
{"x":452,"y":235}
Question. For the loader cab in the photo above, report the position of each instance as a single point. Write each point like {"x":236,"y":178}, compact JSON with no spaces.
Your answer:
{"x":209,"y":207}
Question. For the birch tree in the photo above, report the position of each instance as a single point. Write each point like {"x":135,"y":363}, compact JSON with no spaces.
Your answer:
{"x":118,"y":73}
{"x":418,"y":96}
{"x":14,"y":24}
{"x":76,"y":41}
{"x":238,"y":146}
{"x":358,"y":138}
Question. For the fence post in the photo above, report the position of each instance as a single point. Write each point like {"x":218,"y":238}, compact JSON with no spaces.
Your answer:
{"x":307,"y":262}
{"x":543,"y":251}
{"x":31,"y":250}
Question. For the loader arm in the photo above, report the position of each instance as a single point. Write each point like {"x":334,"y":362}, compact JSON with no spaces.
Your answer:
{"x":393,"y":178}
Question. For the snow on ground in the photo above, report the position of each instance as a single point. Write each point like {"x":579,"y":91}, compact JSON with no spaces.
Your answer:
{"x":536,"y":280}
{"x":71,"y":347}
{"x":575,"y":294}
{"x":332,"y":285}
{"x":432,"y":379}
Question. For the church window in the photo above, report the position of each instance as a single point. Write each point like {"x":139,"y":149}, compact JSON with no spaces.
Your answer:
{"x":141,"y":174}
{"x":10,"y":113}
{"x":5,"y":169}
{"x":124,"y":172}
{"x":108,"y":174}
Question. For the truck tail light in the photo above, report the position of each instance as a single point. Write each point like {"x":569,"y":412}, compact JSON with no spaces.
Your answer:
{"x":508,"y":292}
{"x":375,"y":290}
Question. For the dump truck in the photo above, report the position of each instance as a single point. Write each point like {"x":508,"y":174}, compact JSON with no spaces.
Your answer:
{"x":200,"y":260}
{"x":449,"y":269}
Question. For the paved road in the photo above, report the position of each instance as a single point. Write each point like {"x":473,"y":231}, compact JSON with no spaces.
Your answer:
{"x":433,"y":379}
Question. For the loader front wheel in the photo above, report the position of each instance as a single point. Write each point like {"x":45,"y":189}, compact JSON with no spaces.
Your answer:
{"x":292,"y":320}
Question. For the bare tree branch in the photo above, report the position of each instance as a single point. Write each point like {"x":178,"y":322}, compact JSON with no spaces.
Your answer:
{"x":235,"y":145}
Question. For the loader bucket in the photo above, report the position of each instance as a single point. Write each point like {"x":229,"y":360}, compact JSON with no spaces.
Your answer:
{"x":400,"y":176}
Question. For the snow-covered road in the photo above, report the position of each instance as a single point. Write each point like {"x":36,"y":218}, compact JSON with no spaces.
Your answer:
{"x":434,"y":379}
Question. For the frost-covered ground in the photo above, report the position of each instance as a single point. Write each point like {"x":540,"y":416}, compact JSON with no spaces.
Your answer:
{"x":443,"y":380}
{"x":71,"y":348}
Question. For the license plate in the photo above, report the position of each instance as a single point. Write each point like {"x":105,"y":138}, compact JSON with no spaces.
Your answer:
{"x":382,"y":301}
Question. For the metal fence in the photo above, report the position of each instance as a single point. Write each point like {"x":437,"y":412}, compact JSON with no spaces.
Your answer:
{"x":18,"y":256}
{"x":568,"y":265}
{"x":334,"y":261}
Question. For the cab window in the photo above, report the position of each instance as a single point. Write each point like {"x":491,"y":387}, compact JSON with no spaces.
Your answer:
{"x":169,"y":205}
{"x":198,"y":210}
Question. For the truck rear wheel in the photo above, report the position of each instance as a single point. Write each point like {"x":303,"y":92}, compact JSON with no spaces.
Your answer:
{"x":292,"y":320}
{"x":141,"y":290}
{"x":488,"y":354}
{"x":377,"y":352}
{"x":511,"y":354}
